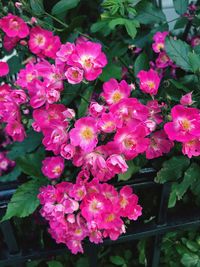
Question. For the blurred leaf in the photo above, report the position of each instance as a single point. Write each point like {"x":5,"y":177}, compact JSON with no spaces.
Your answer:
{"x":178,"y":51}
{"x":131,"y":27}
{"x":181,"y":23}
{"x":141,"y":63}
{"x":172,"y":169}
{"x":190,"y":260}
{"x":24,"y":201}
{"x":82,"y":262}
{"x":85,"y":99}
{"x":55,"y":264}
{"x":99,"y":25}
{"x":70,"y":93}
{"x":30,"y":143}
{"x":132,"y":169}
{"x":193,"y":246}
{"x":142,"y":253}
{"x":111,"y":71}
{"x":37,"y":7}
{"x":11,"y":176}
{"x":117,"y":260}
{"x":14,"y":65}
{"x":149,"y":14}
{"x":181,"y":6}
{"x":64,"y":6}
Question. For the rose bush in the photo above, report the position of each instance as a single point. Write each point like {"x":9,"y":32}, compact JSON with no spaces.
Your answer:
{"x":87,"y":107}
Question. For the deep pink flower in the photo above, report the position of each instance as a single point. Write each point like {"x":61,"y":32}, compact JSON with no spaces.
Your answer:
{"x":65,"y":51}
{"x":16,"y":130}
{"x":195,"y":41}
{"x":27,"y":75}
{"x":107,"y":123}
{"x":131,"y":140}
{"x":84,"y":134}
{"x":74,"y":75}
{"x":117,"y":164}
{"x":10,"y":42}
{"x":67,"y":151}
{"x":186,"y":99}
{"x":19,"y":96}
{"x":52,"y":167}
{"x":159,"y":144}
{"x":163,"y":61}
{"x":191,"y":148}
{"x":159,"y":39}
{"x":90,"y":58}
{"x":14,"y":26}
{"x":113,"y":91}
{"x":185,"y":124}
{"x":4,"y":68}
{"x":95,"y":109}
{"x":149,"y":81}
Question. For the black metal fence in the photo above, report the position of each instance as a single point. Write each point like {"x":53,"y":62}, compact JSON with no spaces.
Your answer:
{"x":165,"y":221}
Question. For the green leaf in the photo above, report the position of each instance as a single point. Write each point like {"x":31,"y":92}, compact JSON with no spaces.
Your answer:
{"x":190,"y":260}
{"x":11,"y":176}
{"x":24,"y":201}
{"x":14,"y":65}
{"x":191,"y":176}
{"x":30,"y":164}
{"x":37,"y":7}
{"x":117,"y":260}
{"x":194,"y":60}
{"x":142,"y":252}
{"x":115,"y":22}
{"x":141,"y":63}
{"x":131,"y":27}
{"x":64,"y":6}
{"x":85,"y":99}
{"x":193,"y":246}
{"x":30,"y":143}
{"x":111,"y":71}
{"x":172,"y":196}
{"x":181,"y":6}
{"x":179,"y":85}
{"x":178,"y":51}
{"x":172,"y":169}
{"x":54,"y":264}
{"x":149,"y":14}
{"x":99,"y":25}
{"x":82,"y":262}
{"x":132,"y":168}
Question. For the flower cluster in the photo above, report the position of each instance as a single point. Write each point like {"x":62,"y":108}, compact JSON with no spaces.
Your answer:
{"x":10,"y":101}
{"x":87,"y":209}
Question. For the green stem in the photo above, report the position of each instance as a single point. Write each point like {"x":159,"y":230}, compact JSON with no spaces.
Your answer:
{"x":54,"y":18}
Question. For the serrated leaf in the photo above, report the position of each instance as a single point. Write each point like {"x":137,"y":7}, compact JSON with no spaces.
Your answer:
{"x":64,"y":6}
{"x":178,"y":51}
{"x":37,"y":7}
{"x":181,"y":6}
{"x":30,"y":164}
{"x":149,"y":14}
{"x":194,"y":60}
{"x":141,"y":63}
{"x":11,"y":176}
{"x":24,"y":201}
{"x":30,"y":143}
{"x":172,"y":169}
{"x":117,"y":260}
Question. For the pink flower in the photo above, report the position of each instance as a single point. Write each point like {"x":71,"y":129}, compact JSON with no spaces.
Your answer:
{"x":4,"y":68}
{"x":131,"y":140}
{"x":16,"y":130}
{"x":159,"y":39}
{"x":149,"y":81}
{"x":14,"y":26}
{"x":90,"y":58}
{"x":19,"y":96}
{"x":95,"y":109}
{"x":159,"y":145}
{"x":10,"y":42}
{"x":129,"y":204}
{"x":113,"y":91}
{"x":117,"y":164}
{"x":195,"y":41}
{"x":27,"y":75}
{"x":52,"y":167}
{"x":67,"y":151}
{"x":107,"y":123}
{"x":74,"y":75}
{"x":163,"y":61}
{"x":185,"y":124}
{"x":191,"y":148}
{"x":84,"y":134}
{"x":186,"y":100}
{"x":65,"y":51}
